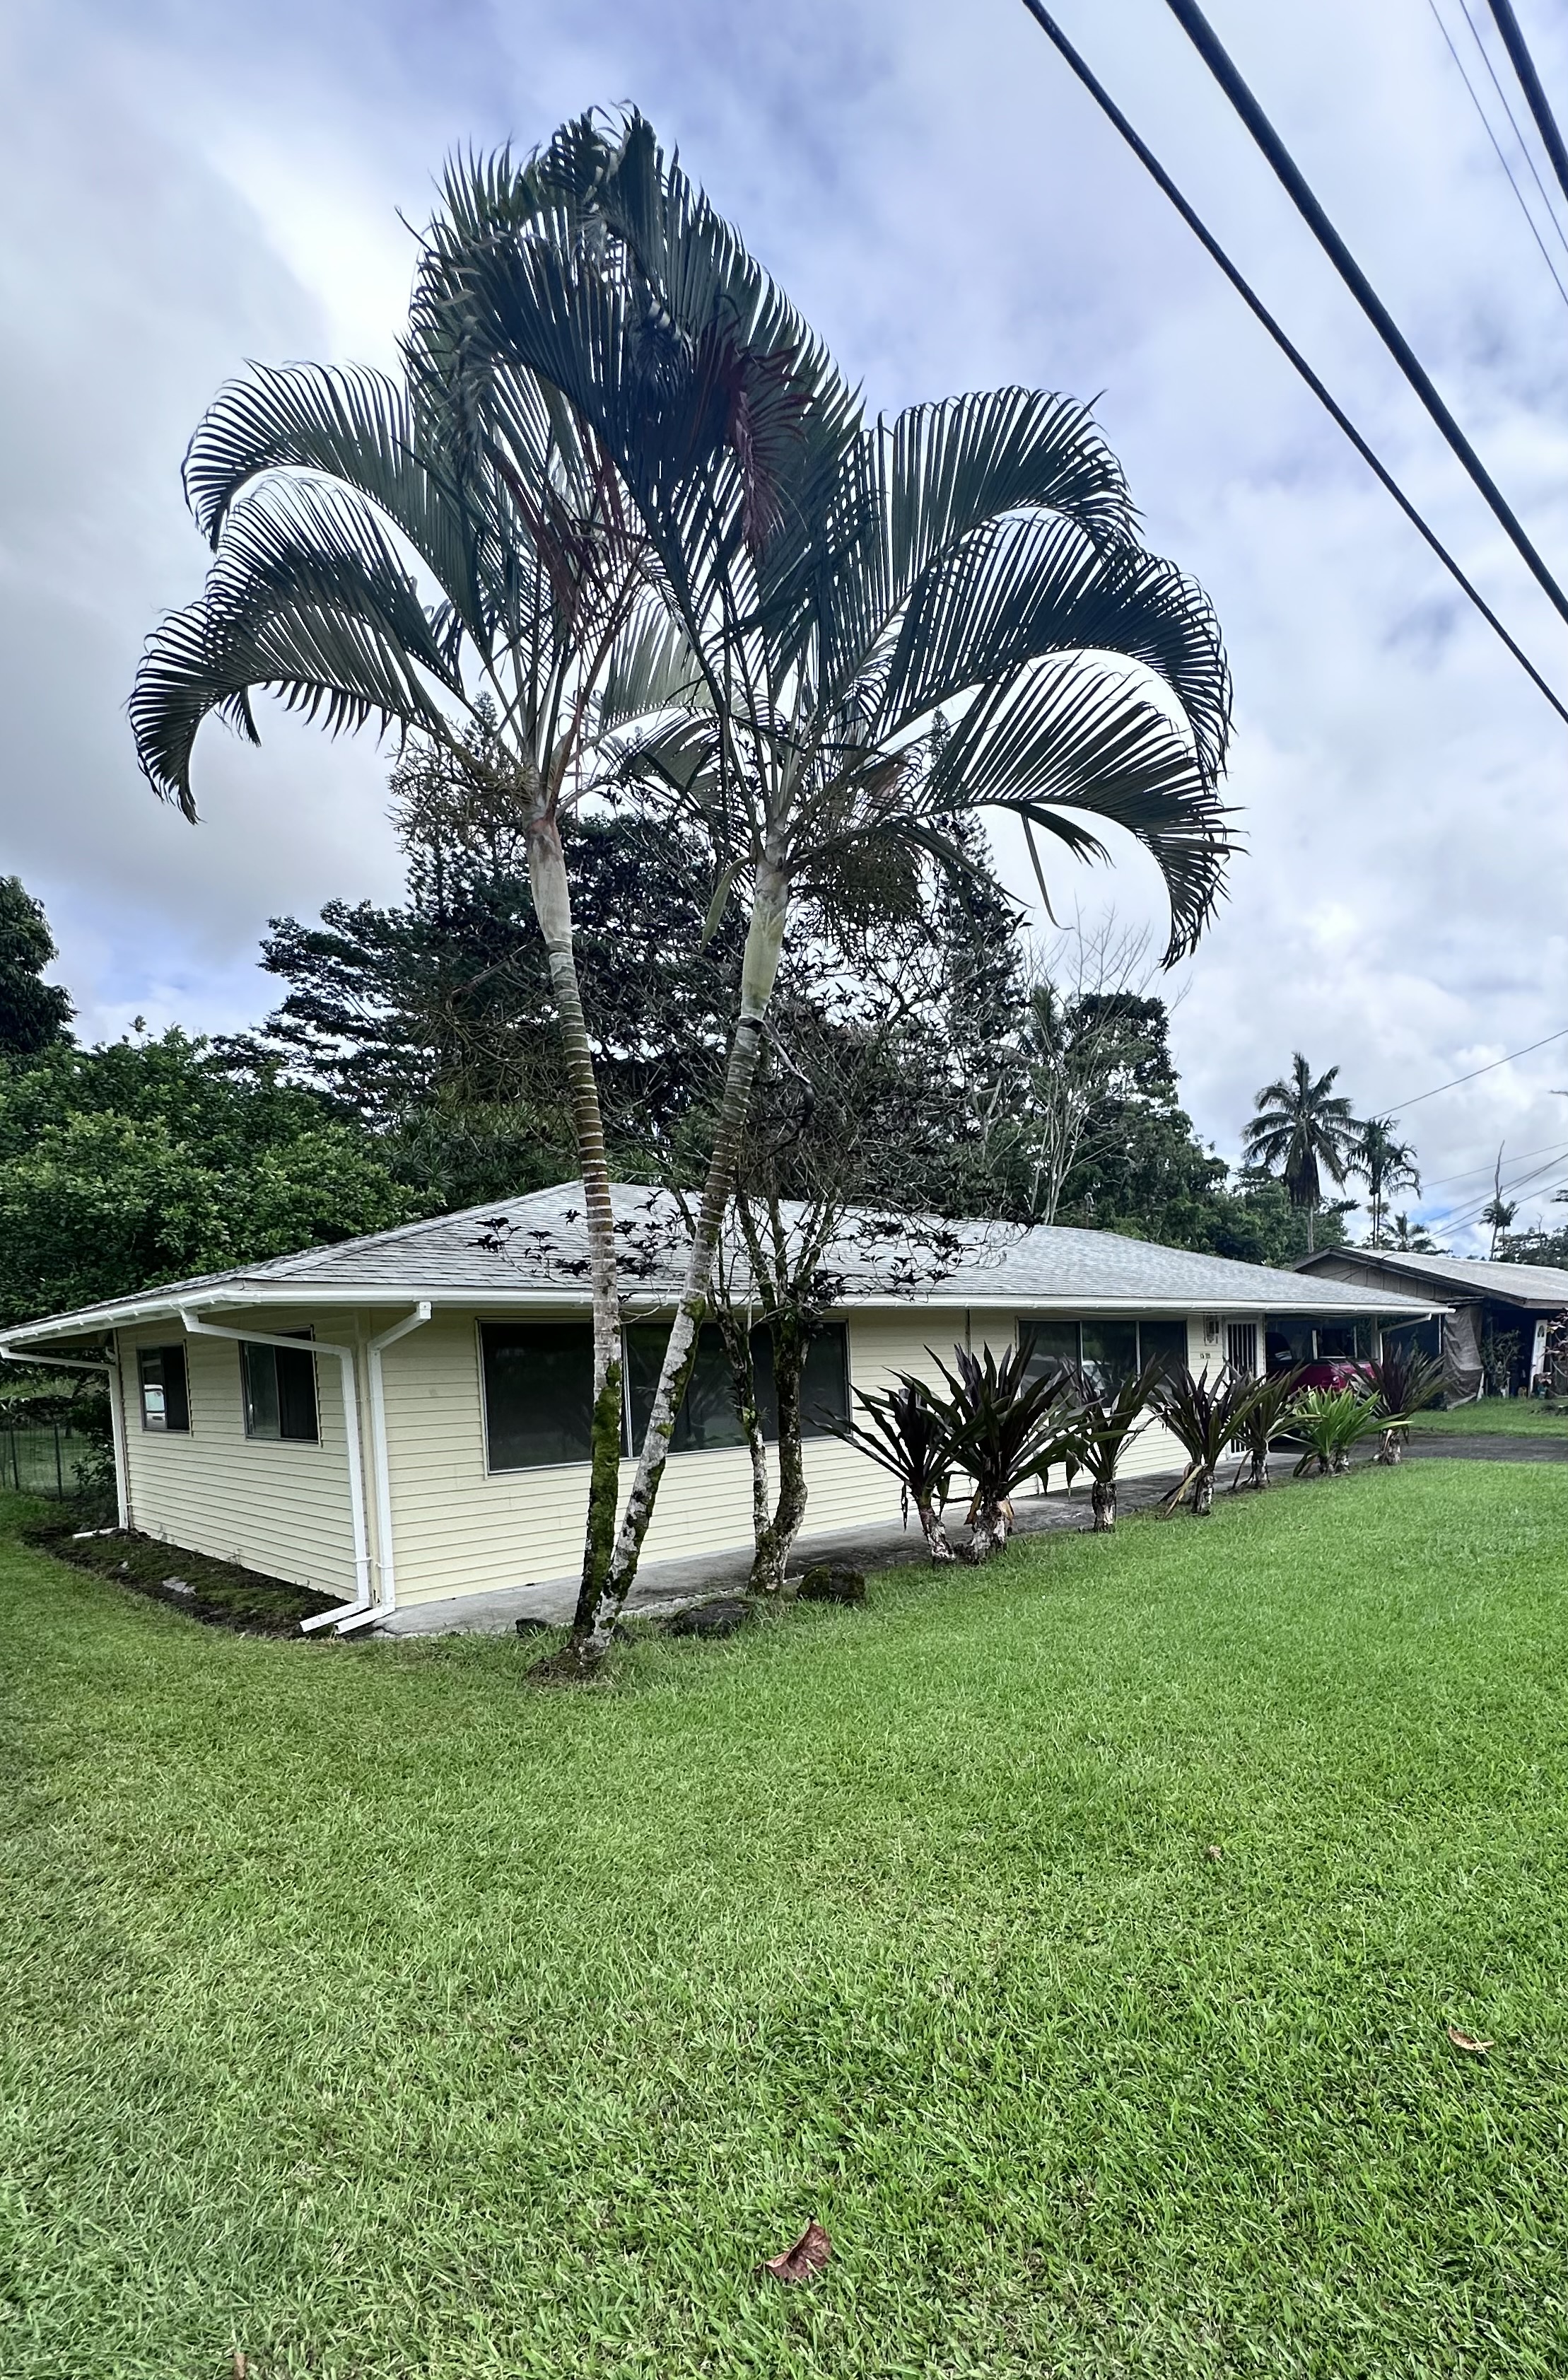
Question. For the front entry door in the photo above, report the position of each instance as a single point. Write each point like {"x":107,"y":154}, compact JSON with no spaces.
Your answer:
{"x":1241,"y":1347}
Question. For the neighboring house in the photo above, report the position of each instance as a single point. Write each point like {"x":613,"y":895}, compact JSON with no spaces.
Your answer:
{"x":402,"y":1420}
{"x":1490,"y":1304}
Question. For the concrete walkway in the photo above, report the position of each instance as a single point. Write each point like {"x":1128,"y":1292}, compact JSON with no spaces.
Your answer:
{"x":664,"y":1585}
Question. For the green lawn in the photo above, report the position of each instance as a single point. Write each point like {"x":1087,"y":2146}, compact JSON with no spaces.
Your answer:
{"x":369,"y":2011}
{"x":1515,"y":1416}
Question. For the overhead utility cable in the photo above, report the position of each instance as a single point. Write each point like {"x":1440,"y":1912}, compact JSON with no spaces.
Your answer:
{"x":1207,"y":42}
{"x":1513,"y":124}
{"x":1524,"y":66}
{"x":1283,"y":341}
{"x":1490,"y":1068}
{"x":1500,"y":152}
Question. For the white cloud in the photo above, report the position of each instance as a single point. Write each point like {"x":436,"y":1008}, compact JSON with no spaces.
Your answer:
{"x":187,"y":187}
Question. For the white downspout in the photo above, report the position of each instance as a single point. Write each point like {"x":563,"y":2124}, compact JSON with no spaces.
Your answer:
{"x":380,"y":1472}
{"x":111,"y":1371}
{"x":345,"y":1356}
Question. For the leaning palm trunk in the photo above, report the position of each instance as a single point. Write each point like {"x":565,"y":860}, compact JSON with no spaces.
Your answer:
{"x":592,"y":1631}
{"x":547,"y":877}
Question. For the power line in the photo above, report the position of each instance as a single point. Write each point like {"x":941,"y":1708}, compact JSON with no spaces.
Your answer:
{"x":1282,"y":340}
{"x":1547,"y":200}
{"x":1497,"y":145}
{"x":1523,"y":65}
{"x":1491,"y":1067}
{"x":1204,"y":39}
{"x":1465,"y":1174}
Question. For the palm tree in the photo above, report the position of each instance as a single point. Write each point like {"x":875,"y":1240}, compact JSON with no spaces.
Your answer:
{"x":1302,"y":1131}
{"x":1384,"y":1164}
{"x":1413,"y":1239}
{"x":893,"y":624}
{"x":377,"y":558}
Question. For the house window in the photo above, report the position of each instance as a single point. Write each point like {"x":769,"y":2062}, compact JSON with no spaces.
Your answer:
{"x":1164,"y":1344}
{"x":538,"y":1393}
{"x":708,"y":1417}
{"x":824,"y":1382}
{"x":1111,"y":1354}
{"x":1109,"y":1350}
{"x":166,"y":1400}
{"x":280,"y":1392}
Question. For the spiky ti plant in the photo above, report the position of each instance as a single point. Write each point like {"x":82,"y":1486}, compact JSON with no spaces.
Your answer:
{"x":1002,"y":1424}
{"x":1402,"y":1380}
{"x":1330,"y":1422}
{"x":1269,"y":1417}
{"x":903,"y":1431}
{"x":1204,"y":1413}
{"x":1105,"y":1427}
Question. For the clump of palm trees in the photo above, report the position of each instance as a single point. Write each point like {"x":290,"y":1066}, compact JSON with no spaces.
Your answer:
{"x":1304,"y":1131}
{"x":994,"y":1422}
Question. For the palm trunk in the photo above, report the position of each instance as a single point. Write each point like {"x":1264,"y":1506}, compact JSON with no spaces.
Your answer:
{"x":1390,"y":1448}
{"x":775,"y":1539}
{"x":989,"y":1519}
{"x":1203,"y":1491}
{"x":1311,"y":1218}
{"x":1258,"y":1477}
{"x":764,"y":941}
{"x":1102,"y":1506}
{"x":938,"y":1543}
{"x":552,"y":901}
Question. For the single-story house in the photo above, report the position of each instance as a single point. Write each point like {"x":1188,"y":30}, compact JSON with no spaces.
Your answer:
{"x":1502,"y":1303}
{"x":403,"y":1419}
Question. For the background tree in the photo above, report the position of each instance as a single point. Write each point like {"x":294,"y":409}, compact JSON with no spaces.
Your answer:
{"x":1384,"y":1164}
{"x":33,"y":1015}
{"x":1413,"y":1239}
{"x":140,"y":1163}
{"x":1302,"y":1131}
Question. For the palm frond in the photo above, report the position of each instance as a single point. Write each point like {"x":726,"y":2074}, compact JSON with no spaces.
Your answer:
{"x":308,"y":600}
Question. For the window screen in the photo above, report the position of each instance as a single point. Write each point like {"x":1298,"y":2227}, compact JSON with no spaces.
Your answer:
{"x":1111,"y":1353}
{"x":1047,"y":1344}
{"x":1164,"y":1344}
{"x":280,"y":1392}
{"x":708,"y":1417}
{"x":824,"y":1382}
{"x":538,"y":1393}
{"x":165,"y":1401}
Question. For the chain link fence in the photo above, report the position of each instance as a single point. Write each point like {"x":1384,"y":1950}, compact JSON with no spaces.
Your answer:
{"x":47,"y":1459}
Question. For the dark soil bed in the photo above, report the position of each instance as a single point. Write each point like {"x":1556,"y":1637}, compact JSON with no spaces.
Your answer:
{"x":223,"y":1594}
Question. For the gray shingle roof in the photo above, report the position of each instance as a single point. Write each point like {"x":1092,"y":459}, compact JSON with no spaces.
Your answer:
{"x":537,"y":1247}
{"x":1450,"y":1277}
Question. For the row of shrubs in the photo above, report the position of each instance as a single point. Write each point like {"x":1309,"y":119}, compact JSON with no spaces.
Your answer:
{"x":996,"y":1425}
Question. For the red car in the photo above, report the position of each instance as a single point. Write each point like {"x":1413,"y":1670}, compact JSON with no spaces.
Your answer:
{"x":1337,"y":1372}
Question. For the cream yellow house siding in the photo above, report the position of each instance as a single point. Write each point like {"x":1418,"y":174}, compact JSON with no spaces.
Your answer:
{"x":458,"y":1529}
{"x":279,"y":1508}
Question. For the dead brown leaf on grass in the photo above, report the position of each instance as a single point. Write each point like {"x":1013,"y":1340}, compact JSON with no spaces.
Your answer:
{"x":809,"y":2255}
{"x":1468,"y":2040}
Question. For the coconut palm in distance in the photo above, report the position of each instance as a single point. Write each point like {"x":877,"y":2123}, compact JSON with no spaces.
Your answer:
{"x":1384,"y":1164}
{"x":900,"y":622}
{"x":1302,"y":1130}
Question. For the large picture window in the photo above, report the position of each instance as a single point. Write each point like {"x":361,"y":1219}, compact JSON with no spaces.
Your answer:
{"x":280,"y":1392}
{"x":1108,"y":1349}
{"x":165,"y":1399}
{"x":538,"y":1393}
{"x":708,"y":1416}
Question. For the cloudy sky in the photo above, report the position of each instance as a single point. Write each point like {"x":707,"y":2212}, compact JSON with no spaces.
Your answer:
{"x":191,"y":184}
